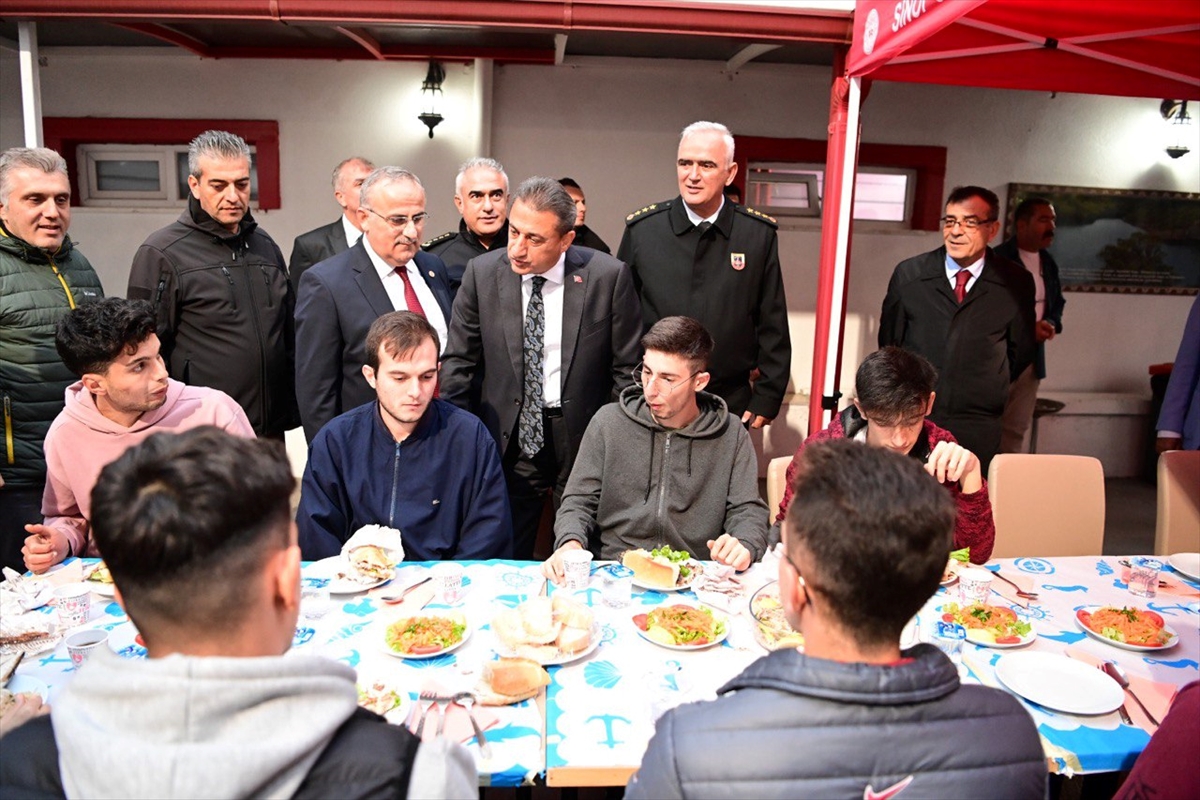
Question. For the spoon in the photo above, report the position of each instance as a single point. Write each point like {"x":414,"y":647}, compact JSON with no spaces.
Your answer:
{"x":393,"y":599}
{"x":467,"y":700}
{"x":1117,"y":674}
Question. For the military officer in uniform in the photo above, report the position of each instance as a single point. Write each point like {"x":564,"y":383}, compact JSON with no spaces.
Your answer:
{"x":717,"y":262}
{"x":481,"y":196}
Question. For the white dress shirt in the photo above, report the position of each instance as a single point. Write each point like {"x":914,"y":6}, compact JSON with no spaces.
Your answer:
{"x":353,"y":234}
{"x":695,"y":219}
{"x":552,"y":302}
{"x":393,"y":284}
{"x":975,"y":269}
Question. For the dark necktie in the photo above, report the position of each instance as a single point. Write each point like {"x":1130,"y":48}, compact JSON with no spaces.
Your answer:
{"x":960,"y":284}
{"x":703,"y":226}
{"x":529,"y":424}
{"x":410,"y":294}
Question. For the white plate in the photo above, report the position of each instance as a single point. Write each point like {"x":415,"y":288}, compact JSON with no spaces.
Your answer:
{"x":561,"y":658}
{"x":27,"y":684}
{"x":697,"y":568}
{"x":1137,"y":648}
{"x":330,"y":567}
{"x":1026,"y":639}
{"x":1187,"y":564}
{"x":399,"y":714}
{"x":101,"y":588}
{"x":717,"y":616}
{"x":384,"y":647}
{"x":1060,"y":683}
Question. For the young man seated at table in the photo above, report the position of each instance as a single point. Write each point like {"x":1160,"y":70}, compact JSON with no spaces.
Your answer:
{"x":195,"y":530}
{"x":123,"y":395}
{"x":852,"y":715}
{"x":406,"y":461}
{"x":666,"y":464}
{"x":894,"y":392}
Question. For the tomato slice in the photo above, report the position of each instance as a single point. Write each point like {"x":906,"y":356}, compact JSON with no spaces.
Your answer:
{"x":640,"y":621}
{"x":700,"y":640}
{"x":1085,"y":617}
{"x":425,"y":649}
{"x":1153,"y":617}
{"x":1008,"y":640}
{"x":947,"y":618}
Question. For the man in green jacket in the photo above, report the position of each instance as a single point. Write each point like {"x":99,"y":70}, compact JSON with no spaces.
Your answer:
{"x":42,"y":277}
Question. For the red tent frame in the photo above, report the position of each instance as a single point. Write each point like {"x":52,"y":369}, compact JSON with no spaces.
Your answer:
{"x":1129,"y":48}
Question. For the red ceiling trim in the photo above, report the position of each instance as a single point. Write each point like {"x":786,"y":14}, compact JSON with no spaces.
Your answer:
{"x":361,"y":37}
{"x":64,"y":134}
{"x":169,"y":36}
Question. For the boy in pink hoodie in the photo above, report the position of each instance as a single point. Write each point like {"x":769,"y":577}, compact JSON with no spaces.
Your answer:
{"x":123,"y":395}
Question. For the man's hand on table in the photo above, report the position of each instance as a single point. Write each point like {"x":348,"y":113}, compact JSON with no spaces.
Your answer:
{"x":729,"y":550}
{"x":552,"y":567}
{"x":952,"y":463}
{"x":45,"y":548}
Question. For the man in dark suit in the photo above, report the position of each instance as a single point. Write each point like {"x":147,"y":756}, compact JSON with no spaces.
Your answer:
{"x":970,"y":312}
{"x":557,"y":340}
{"x":336,"y":237}
{"x":340,"y":297}
{"x":1034,"y":219}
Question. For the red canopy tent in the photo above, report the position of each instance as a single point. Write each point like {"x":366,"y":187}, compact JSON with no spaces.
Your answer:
{"x":1111,"y":47}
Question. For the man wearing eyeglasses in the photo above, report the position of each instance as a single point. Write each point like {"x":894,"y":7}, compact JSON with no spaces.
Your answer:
{"x":550,"y":331}
{"x":481,"y":196}
{"x":339,"y":298}
{"x":666,"y":465}
{"x":970,"y":312}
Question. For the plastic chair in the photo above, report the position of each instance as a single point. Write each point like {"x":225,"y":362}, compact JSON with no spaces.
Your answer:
{"x":776,"y":483}
{"x":1177,"y":527}
{"x":1047,"y":505}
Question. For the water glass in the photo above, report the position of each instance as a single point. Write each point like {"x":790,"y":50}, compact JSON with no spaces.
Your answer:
{"x":314,"y":597}
{"x":1143,"y":576}
{"x":616,"y":585}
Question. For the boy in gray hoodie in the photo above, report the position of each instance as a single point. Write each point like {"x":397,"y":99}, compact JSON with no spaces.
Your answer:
{"x":665,"y":465}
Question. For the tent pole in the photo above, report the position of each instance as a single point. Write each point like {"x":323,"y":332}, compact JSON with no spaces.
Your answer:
{"x":31,"y":85}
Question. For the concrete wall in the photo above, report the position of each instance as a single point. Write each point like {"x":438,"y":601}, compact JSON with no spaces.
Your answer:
{"x":612,"y":125}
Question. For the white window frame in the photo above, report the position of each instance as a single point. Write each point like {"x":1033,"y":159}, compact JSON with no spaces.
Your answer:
{"x":804,"y":217}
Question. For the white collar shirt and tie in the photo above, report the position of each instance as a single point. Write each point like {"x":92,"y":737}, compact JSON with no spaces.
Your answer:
{"x":353,"y":234}
{"x":696,"y":219}
{"x":952,"y":270}
{"x":393,"y":284}
{"x":552,"y":299}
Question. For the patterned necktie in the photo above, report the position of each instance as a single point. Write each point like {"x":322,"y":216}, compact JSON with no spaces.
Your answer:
{"x":410,"y":294}
{"x":960,"y":284}
{"x":529,"y":424}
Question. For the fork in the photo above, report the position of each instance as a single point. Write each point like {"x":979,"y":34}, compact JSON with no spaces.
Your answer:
{"x":467,"y":700}
{"x":443,"y":704}
{"x":1128,"y":720}
{"x":428,"y":698}
{"x":1020,"y":592}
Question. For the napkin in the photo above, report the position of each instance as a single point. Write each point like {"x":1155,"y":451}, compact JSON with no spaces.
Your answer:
{"x":1157,"y":695}
{"x":458,"y":723}
{"x":416,"y":600}
{"x":1009,"y":593}
{"x":378,"y":535}
{"x":21,"y":594}
{"x":1168,"y":584}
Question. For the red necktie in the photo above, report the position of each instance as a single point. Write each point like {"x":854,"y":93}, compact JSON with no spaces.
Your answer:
{"x":960,"y":284}
{"x":410,"y":294}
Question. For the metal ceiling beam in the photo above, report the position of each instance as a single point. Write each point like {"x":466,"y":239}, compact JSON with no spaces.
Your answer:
{"x":748,"y":54}
{"x":368,"y":42}
{"x":560,"y":48}
{"x":169,"y":35}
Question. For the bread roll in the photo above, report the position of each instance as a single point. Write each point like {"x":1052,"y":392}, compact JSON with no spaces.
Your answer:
{"x":571,"y":613}
{"x":656,"y":572}
{"x":515,"y":677}
{"x":537,"y":617}
{"x":574,"y":640}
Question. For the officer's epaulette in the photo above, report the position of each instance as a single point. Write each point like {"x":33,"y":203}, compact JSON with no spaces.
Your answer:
{"x":750,"y":212}
{"x":439,"y":239}
{"x":647,"y":211}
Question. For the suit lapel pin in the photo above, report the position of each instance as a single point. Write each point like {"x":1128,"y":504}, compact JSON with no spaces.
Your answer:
{"x":431,"y":273}
{"x":578,"y":279}
{"x":737,"y":261}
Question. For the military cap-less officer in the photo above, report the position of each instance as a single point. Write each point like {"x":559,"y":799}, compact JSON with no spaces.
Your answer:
{"x":481,"y":195}
{"x":717,"y":262}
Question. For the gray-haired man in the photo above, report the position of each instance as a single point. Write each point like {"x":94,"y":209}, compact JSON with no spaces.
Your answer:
{"x":220,"y":288}
{"x":481,"y":196}
{"x":340,"y":235}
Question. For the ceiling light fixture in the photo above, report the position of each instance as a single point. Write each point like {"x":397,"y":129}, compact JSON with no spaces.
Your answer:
{"x":431,"y":96}
{"x":1179,"y":127}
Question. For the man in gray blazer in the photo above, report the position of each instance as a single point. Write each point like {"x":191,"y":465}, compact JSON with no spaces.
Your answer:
{"x":553,"y":329}
{"x":338,"y":236}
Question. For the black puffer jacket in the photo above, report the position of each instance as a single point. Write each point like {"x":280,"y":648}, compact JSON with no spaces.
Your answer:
{"x":224,"y":312}
{"x":36,"y":289}
{"x":794,"y":726}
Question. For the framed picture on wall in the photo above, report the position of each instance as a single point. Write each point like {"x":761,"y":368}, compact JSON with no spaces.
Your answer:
{"x":1120,"y":240}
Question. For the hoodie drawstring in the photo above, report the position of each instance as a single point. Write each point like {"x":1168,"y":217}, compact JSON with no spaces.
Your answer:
{"x":649,"y":468}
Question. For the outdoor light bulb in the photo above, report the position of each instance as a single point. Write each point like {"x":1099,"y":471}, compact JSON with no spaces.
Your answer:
{"x":1181,"y":134}
{"x":431,"y":96}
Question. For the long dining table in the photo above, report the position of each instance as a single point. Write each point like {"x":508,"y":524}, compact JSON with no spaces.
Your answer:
{"x":593,"y":722}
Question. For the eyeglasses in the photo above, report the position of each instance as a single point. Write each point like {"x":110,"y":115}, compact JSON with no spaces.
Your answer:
{"x":401,"y":222}
{"x":968,"y":223}
{"x":669,"y":383}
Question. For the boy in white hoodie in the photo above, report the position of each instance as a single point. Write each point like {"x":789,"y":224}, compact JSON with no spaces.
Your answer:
{"x":122,"y":396}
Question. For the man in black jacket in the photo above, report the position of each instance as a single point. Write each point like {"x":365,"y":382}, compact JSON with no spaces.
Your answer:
{"x":196,"y":532}
{"x":481,"y":196}
{"x":221,"y":290}
{"x":1034,"y":220}
{"x":852,"y":715}
{"x":968,"y":311}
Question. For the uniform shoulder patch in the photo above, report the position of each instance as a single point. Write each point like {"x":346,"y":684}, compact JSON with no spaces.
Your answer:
{"x":750,"y":212}
{"x":439,"y":239}
{"x":646,"y":211}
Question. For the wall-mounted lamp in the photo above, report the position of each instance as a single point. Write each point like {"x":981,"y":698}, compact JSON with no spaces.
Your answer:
{"x":1179,"y":125}
{"x":431,"y":96}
